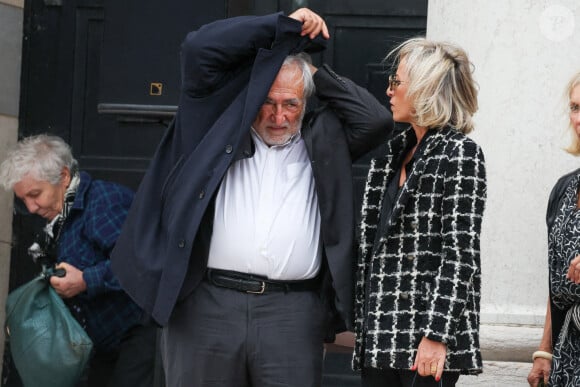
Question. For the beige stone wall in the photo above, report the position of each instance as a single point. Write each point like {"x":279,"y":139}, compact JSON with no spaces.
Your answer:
{"x":524,"y":52}
{"x":8,"y":134}
{"x":11,"y":16}
{"x":14,"y":3}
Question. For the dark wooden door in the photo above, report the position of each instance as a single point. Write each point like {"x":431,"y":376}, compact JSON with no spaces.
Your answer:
{"x":104,"y":75}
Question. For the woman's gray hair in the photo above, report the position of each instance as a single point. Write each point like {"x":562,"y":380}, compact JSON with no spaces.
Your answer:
{"x":574,"y":147}
{"x":42,"y":156}
{"x":441,"y":87}
{"x":302,"y":61}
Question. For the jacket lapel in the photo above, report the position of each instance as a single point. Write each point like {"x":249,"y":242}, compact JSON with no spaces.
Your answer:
{"x":412,"y":182}
{"x":381,"y":171}
{"x":264,"y":71}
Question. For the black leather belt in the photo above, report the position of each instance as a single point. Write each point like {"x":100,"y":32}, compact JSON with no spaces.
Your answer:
{"x":250,"y":283}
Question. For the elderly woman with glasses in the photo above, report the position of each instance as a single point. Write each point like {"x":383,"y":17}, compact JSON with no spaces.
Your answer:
{"x":556,"y":360}
{"x":419,"y":276}
{"x":83,"y":220}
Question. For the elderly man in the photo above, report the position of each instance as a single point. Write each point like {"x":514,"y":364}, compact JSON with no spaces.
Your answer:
{"x":240,"y":239}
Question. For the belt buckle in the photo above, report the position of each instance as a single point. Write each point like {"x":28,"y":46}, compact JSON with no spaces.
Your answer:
{"x":261,"y":291}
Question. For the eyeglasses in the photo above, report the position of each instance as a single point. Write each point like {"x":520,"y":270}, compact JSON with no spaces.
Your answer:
{"x":394,"y":82}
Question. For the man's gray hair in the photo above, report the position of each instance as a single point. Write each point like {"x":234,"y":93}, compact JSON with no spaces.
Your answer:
{"x":43,"y":157}
{"x":302,"y":61}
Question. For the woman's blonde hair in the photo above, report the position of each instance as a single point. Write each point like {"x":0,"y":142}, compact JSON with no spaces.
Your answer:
{"x":441,"y":86}
{"x":574,"y":147}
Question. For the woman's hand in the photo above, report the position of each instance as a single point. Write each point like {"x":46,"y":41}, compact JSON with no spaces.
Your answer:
{"x":541,"y":366}
{"x":574,"y":270}
{"x":71,"y":284}
{"x":430,"y":358}
{"x":312,"y":24}
{"x":540,"y":371}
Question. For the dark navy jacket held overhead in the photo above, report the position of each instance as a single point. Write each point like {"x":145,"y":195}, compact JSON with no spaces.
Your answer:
{"x":227,"y":69}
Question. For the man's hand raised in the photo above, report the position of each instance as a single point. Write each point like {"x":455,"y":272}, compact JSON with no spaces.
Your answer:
{"x":312,"y":24}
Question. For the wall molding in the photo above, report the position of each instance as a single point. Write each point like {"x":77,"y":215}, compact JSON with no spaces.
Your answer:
{"x":14,"y":3}
{"x":8,"y":137}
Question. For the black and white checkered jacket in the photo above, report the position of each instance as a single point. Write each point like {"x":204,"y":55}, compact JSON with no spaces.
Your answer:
{"x":424,"y":277}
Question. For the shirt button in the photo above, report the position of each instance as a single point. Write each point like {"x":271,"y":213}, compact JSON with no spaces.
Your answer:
{"x":410,"y":257}
{"x":181,"y":244}
{"x":229,"y":148}
{"x":201,"y":194}
{"x":414,"y":225}
{"x":405,"y":295}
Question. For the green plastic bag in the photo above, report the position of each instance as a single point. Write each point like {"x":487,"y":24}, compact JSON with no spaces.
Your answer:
{"x":49,"y":347}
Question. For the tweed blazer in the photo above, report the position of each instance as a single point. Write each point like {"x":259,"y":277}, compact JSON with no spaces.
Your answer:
{"x":424,"y":277}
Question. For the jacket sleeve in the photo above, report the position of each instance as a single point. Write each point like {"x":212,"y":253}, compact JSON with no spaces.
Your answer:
{"x":366,"y":121}
{"x":457,"y":281}
{"x":217,"y":51}
{"x":102,"y":228}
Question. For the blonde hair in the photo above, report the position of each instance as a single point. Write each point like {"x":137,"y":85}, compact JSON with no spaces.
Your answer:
{"x":441,"y":86}
{"x":574,"y":147}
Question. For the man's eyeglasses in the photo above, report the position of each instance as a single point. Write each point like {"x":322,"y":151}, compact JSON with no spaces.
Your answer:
{"x":394,"y":82}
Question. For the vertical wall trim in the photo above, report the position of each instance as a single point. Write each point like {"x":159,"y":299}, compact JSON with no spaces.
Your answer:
{"x":14,"y":3}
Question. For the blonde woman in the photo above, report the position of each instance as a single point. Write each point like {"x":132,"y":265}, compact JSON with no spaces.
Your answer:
{"x":418,"y":287}
{"x":562,"y":328}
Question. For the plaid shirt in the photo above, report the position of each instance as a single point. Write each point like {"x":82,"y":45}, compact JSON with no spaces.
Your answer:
{"x":87,"y":238}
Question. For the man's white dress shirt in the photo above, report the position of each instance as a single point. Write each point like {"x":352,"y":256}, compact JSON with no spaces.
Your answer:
{"x":266,"y":219}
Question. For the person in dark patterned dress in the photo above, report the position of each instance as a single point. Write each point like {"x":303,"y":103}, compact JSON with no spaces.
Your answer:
{"x":556,"y":361}
{"x":419,"y":274}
